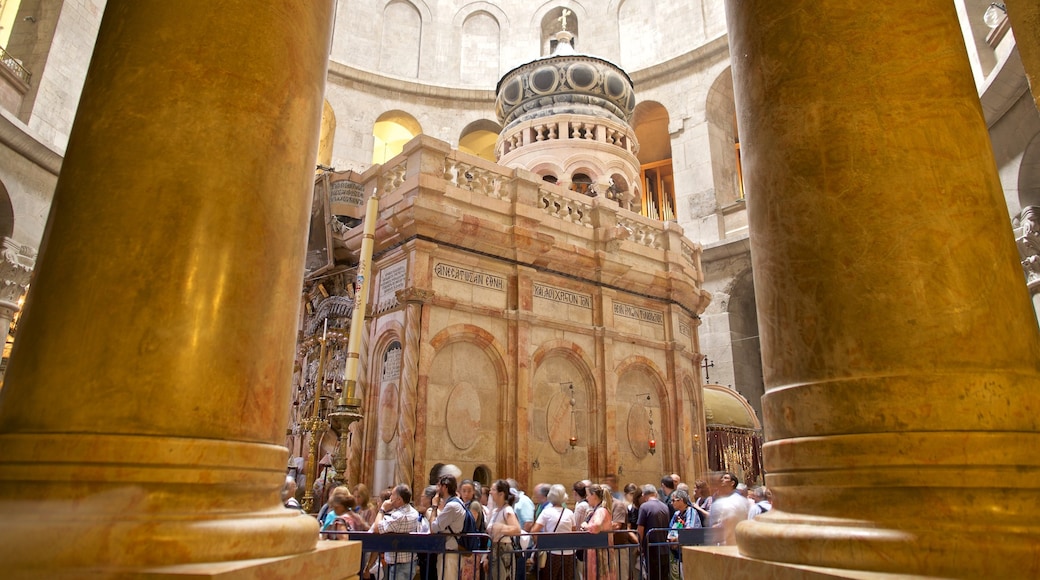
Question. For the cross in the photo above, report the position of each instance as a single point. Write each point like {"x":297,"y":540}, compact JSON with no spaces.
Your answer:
{"x":563,"y":19}
{"x":706,"y":365}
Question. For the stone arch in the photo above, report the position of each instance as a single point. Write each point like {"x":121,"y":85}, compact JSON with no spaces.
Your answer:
{"x":723,"y":141}
{"x":391,"y":131}
{"x":472,"y":7}
{"x":479,"y":138}
{"x":747,"y":351}
{"x":657,"y":196}
{"x":549,"y":167}
{"x":481,"y":48}
{"x":386,"y":334}
{"x":642,"y":396}
{"x":400,"y":43}
{"x":468,"y":382}
{"x":561,"y":369}
{"x":1029,"y":174}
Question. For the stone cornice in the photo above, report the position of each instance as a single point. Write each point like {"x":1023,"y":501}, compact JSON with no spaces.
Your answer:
{"x":713,"y":50}
{"x":341,"y":74}
{"x":14,"y":134}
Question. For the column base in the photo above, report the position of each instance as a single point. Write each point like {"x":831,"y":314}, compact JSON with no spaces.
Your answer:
{"x":956,"y":548}
{"x":329,"y":560}
{"x":712,"y":562}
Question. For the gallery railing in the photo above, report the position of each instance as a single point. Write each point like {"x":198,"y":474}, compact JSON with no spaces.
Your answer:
{"x":545,"y":556}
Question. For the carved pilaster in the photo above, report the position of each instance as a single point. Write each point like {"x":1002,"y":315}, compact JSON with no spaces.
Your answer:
{"x":413,"y":299}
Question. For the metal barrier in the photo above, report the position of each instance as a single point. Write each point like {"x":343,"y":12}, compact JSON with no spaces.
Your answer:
{"x":548,"y":556}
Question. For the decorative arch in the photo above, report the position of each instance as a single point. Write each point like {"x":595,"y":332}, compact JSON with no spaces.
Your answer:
{"x":473,"y":7}
{"x":387,"y":333}
{"x":747,"y":350}
{"x":650,"y":124}
{"x":479,"y":58}
{"x":642,"y":396}
{"x":638,"y":42}
{"x":467,"y":380}
{"x":479,"y":138}
{"x":565,"y":439}
{"x":401,"y":39}
{"x":723,"y":140}
{"x":391,"y":131}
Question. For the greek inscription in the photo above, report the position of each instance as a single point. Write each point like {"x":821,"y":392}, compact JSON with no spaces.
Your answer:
{"x":449,"y":272}
{"x":637,"y":313}
{"x":563,"y":296}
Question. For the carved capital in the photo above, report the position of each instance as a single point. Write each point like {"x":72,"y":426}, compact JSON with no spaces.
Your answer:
{"x":16,"y":266}
{"x":414,"y":295}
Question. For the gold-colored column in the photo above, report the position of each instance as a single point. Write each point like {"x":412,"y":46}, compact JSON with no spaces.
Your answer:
{"x":899,"y":347}
{"x":147,"y":397}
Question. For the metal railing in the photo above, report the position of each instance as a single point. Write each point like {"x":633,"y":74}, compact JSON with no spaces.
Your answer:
{"x":15,"y":66}
{"x":542,"y":556}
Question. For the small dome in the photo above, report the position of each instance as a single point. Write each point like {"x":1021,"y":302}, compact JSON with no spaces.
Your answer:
{"x":565,"y":83}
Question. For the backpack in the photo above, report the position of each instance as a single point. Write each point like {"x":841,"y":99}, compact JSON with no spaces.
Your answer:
{"x":467,"y":541}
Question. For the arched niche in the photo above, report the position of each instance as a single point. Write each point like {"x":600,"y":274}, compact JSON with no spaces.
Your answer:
{"x":723,"y":140}
{"x":391,"y":131}
{"x":747,"y":350}
{"x":562,"y":375}
{"x":479,"y":138}
{"x":553,"y":22}
{"x":399,"y":46}
{"x":650,"y":122}
{"x":481,"y":49}
{"x":641,"y":399}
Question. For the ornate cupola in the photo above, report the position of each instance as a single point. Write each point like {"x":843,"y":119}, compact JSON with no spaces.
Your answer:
{"x":566,"y":117}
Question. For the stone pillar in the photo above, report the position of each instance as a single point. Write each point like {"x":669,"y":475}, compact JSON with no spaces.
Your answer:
{"x":899,"y":346}
{"x":147,"y":397}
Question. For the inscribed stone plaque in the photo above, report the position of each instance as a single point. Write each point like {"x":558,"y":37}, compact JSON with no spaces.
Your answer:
{"x":467,"y":276}
{"x":391,"y":279}
{"x":637,"y":313}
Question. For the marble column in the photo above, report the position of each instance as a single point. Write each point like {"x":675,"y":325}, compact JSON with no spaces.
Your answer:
{"x":899,"y":346}
{"x":147,"y":397}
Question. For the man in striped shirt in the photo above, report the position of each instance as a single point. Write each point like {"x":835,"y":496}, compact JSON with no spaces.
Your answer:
{"x":397,"y":516}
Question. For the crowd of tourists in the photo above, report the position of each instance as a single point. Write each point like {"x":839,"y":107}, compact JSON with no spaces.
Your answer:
{"x":512,"y":520}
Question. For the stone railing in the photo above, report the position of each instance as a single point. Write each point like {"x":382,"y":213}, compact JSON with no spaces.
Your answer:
{"x":467,"y":174}
{"x":15,"y":66}
{"x":554,"y":128}
{"x":642,"y":233}
{"x":564,"y":207}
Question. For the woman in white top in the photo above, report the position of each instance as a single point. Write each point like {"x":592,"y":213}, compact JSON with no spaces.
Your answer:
{"x":559,"y":565}
{"x":502,"y":527}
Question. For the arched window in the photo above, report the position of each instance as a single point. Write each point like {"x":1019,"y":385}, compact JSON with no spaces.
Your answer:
{"x":399,"y":44}
{"x":582,"y":183}
{"x":391,"y":131}
{"x":650,"y":122}
{"x":481,"y":40}
{"x":479,"y":138}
